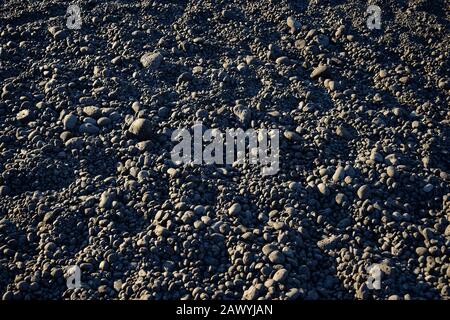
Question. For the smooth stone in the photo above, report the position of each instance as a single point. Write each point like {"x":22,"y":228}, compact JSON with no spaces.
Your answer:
{"x":428,"y":188}
{"x":235,"y":209}
{"x":339,"y":174}
{"x":320,"y":70}
{"x":106,"y":200}
{"x":280,"y":275}
{"x":293,"y":23}
{"x":276,"y":257}
{"x":390,"y":171}
{"x":142,"y":129}
{"x":363,"y":192}
{"x":151,"y":60}
{"x":89,"y":128}
{"x":69,"y":121}
{"x":323,"y":189}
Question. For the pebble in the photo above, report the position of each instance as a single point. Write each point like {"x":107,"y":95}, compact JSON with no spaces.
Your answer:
{"x":280,"y":276}
{"x":160,"y":231}
{"x":104,"y":122}
{"x":70,"y":121}
{"x":106,"y":200}
{"x":4,"y":190}
{"x":428,"y":188}
{"x":276,"y":257}
{"x":293,"y":24}
{"x":89,"y":128}
{"x":390,"y":171}
{"x":87,"y":179}
{"x":363,"y":192}
{"x":421,"y":251}
{"x":339,"y":174}
{"x":323,"y":189}
{"x":234,"y":209}
{"x":250,"y":294}
{"x":25,"y":116}
{"x":141,"y":129}
{"x":151,"y":60}
{"x":319,"y":71}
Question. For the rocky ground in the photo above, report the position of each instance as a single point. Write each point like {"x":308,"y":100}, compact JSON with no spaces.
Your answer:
{"x":364,"y":172}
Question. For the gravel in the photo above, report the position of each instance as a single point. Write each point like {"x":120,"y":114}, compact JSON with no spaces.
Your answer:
{"x":86,"y":177}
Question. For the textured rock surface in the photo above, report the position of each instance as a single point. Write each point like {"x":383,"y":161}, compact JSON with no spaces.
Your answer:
{"x":86,"y":178}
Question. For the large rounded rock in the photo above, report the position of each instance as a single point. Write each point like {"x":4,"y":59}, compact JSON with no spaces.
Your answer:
{"x":141,"y":129}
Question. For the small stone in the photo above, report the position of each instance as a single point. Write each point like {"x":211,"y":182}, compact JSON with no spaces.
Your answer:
{"x":320,"y":70}
{"x":292,"y":136}
{"x":421,"y":251}
{"x":426,"y":161}
{"x":293,"y":24}
{"x":376,"y":156}
{"x":283,"y":60}
{"x":104,"y":265}
{"x":197,"y":70}
{"x":276,"y":257}
{"x":184,"y":77}
{"x":343,"y":132}
{"x":390,"y":171}
{"x":323,"y":189}
{"x":89,"y":128}
{"x":118,"y":285}
{"x":327,"y":243}
{"x":142,"y":129}
{"x":106,"y":200}
{"x":160,"y":231}
{"x":25,"y":116}
{"x":363,"y":192}
{"x":447,"y":232}
{"x":339,"y":174}
{"x":104,"y":121}
{"x":242,"y":67}
{"x":234,"y":209}
{"x":74,"y":143}
{"x":250,"y":294}
{"x":172,"y":172}
{"x":151,"y":60}
{"x":300,"y":44}
{"x":60,"y":35}
{"x":428,"y":234}
{"x":293,"y":294}
{"x":92,"y":111}
{"x":362,"y":292}
{"x":57,"y":34}
{"x":268,"y":248}
{"x":49,"y":217}
{"x":69,"y":121}
{"x":340,"y":198}
{"x":199,"y":210}
{"x":294,"y":185}
{"x":4,"y":190}
{"x":428,"y":188}
{"x":280,"y":275}
{"x":136,"y":106}
{"x":23,"y":286}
